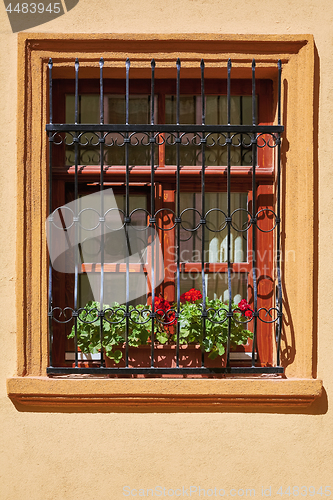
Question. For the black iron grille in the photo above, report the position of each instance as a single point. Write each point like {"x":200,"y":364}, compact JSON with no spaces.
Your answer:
{"x":100,"y":140}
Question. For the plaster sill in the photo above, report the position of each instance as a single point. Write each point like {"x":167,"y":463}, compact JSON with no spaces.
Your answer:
{"x":87,"y":392}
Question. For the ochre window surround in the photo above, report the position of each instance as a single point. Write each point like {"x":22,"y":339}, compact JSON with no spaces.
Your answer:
{"x":300,"y":387}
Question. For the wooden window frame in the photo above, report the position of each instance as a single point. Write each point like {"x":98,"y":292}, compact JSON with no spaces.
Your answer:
{"x":165,"y":192}
{"x":30,"y":386}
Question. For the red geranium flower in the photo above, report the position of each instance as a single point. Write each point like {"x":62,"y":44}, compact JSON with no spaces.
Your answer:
{"x":244,"y":306}
{"x":161,"y":305}
{"x":191,"y":296}
{"x":170,"y":318}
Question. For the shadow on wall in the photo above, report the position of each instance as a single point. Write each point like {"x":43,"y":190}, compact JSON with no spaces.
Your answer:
{"x":288,"y":350}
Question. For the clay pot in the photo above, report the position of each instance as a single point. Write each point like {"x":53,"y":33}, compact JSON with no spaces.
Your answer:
{"x":190,"y":356}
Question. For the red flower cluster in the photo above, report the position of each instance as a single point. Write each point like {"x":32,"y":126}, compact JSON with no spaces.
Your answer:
{"x":191,"y":296}
{"x":162,"y":306}
{"x":244,"y":306}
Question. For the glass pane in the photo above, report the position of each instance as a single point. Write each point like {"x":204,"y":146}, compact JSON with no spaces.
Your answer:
{"x":216,"y":238}
{"x":187,"y":109}
{"x":88,"y":113}
{"x":139,"y":113}
{"x":116,"y":245}
{"x":88,"y":108}
{"x":89,"y":288}
{"x":137,"y":202}
{"x":216,"y":285}
{"x":216,"y":113}
{"x":189,"y":106}
{"x":114,"y":112}
{"x":139,"y":109}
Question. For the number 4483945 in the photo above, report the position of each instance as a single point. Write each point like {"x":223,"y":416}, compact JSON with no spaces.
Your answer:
{"x":304,"y":491}
{"x":33,"y":8}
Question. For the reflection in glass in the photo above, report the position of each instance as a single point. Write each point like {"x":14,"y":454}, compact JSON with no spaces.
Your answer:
{"x":216,"y":114}
{"x":114,"y":112}
{"x":216,"y":285}
{"x":216,"y":235}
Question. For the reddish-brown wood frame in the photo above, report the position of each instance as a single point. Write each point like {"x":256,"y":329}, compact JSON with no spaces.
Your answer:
{"x":241,"y":178}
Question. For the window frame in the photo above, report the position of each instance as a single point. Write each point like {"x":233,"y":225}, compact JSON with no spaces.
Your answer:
{"x":297,"y":53}
{"x":164,"y":87}
{"x":240,"y":181}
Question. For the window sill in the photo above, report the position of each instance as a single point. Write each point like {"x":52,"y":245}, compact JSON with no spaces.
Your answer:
{"x":207,"y":394}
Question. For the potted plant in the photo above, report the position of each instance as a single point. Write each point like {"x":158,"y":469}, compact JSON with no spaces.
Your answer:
{"x":191,"y":331}
{"x":215,"y":339}
{"x":139,"y":333}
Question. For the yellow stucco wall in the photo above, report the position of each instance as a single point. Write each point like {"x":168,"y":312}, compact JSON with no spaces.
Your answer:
{"x":78,"y":454}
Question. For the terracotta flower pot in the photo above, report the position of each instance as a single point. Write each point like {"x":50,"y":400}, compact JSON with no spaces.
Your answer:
{"x":190,"y":356}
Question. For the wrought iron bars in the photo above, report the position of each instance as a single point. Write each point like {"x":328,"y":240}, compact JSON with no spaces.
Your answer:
{"x":155,"y":132}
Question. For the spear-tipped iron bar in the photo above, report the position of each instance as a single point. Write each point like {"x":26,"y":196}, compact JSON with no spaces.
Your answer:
{"x":203,"y":218}
{"x":127,"y":220}
{"x":178,"y":65}
{"x":229,"y":214}
{"x":76,"y":211}
{"x":253,"y":221}
{"x":152,"y":205}
{"x":102,"y":222}
{"x":50,"y":299}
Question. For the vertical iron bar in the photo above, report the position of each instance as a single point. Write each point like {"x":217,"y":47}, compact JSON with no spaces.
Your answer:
{"x":241,"y":135}
{"x":203,"y":217}
{"x":50,"y":65}
{"x":178,"y":65}
{"x":127,"y":217}
{"x":228,"y":141}
{"x":254,"y":219}
{"x":76,"y":209}
{"x":50,"y":297}
{"x":152,"y":205}
{"x":102,"y":216}
{"x":278,"y":221}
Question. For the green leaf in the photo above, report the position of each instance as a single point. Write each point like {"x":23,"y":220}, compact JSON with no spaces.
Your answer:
{"x":213,"y":354}
{"x":117,"y":356}
{"x":221,"y":349}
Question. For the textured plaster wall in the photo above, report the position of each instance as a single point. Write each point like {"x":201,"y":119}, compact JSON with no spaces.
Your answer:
{"x":71,"y":455}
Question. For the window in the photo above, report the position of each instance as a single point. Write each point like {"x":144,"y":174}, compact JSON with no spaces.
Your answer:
{"x":191,"y":161}
{"x":298,"y":346}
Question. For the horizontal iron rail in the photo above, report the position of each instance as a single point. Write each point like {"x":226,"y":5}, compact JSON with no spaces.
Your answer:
{"x":241,"y":129}
{"x":165,"y":371}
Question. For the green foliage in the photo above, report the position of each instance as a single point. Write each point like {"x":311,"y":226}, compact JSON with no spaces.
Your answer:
{"x":114,"y":324}
{"x":215,"y":340}
{"x":140,"y":326}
